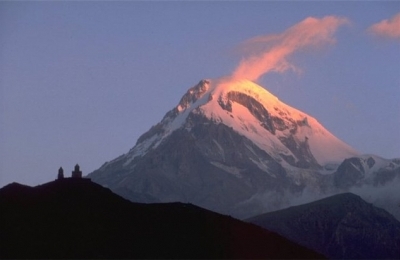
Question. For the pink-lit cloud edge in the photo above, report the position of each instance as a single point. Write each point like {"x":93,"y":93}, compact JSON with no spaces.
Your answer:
{"x":389,"y":28}
{"x":271,"y":53}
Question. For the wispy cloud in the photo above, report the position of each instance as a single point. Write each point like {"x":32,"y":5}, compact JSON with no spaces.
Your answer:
{"x":387,"y":28}
{"x":270,"y":52}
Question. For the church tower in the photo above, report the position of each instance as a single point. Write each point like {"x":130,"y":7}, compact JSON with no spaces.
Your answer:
{"x":77,"y":173}
{"x":60,"y":173}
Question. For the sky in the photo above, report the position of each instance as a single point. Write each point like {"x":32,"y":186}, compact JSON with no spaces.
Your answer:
{"x":80,"y":81}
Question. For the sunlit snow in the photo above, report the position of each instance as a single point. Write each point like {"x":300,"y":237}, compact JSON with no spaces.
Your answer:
{"x":325,"y":147}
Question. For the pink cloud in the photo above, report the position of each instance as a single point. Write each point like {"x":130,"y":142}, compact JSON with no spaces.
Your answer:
{"x":388,"y":27}
{"x":270,"y":52}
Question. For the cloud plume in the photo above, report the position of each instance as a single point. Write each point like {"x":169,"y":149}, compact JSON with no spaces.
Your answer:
{"x":388,"y":27}
{"x":270,"y":52}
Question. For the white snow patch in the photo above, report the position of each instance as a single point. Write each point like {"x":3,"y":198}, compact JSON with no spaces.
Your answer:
{"x":230,"y":169}
{"x":263,"y":166}
{"x":141,"y":149}
{"x":380,"y":164}
{"x":221,"y":150}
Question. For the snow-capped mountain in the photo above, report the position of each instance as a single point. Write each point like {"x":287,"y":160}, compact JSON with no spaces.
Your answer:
{"x":232,"y":147}
{"x":285,"y":133}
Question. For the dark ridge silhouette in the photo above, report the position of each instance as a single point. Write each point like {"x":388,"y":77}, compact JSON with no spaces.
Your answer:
{"x":76,"y":218}
{"x":342,"y":226}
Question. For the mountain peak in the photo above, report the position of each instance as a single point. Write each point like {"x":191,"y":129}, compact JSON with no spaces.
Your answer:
{"x":193,"y":94}
{"x":226,"y":85}
{"x":282,"y":131}
{"x":285,"y":133}
{"x":220,"y":88}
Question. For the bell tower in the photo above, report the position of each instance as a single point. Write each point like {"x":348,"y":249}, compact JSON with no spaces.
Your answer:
{"x":60,"y":173}
{"x":77,"y":173}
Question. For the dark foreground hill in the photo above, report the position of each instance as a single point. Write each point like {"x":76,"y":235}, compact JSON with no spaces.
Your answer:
{"x":341,"y":227}
{"x":75,"y":218}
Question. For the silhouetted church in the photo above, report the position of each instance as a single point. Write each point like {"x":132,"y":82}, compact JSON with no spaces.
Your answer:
{"x":76,"y":173}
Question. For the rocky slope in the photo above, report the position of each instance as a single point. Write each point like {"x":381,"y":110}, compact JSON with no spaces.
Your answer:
{"x":341,"y":227}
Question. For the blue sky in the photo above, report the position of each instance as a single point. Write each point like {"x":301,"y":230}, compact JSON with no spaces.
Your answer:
{"x":81,"y":81}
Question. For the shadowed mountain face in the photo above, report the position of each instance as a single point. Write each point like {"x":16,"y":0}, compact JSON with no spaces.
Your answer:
{"x":75,"y":218}
{"x":341,"y":226}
